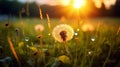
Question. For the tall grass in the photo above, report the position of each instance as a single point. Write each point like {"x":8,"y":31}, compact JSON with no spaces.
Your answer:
{"x":84,"y":51}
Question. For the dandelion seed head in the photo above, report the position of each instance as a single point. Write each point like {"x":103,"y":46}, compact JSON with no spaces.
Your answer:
{"x":63,"y":35}
{"x":63,"y":32}
{"x":39,"y":27}
{"x":7,"y":24}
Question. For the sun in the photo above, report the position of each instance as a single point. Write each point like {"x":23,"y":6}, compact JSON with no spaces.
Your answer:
{"x":78,"y":3}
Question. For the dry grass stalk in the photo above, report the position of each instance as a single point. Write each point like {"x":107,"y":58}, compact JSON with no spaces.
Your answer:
{"x":48,"y":19}
{"x":40,"y":12}
{"x":27,"y":8}
{"x":118,"y":30}
{"x":13,"y":51}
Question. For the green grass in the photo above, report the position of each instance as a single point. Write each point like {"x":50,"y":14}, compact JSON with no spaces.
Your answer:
{"x":103,"y":52}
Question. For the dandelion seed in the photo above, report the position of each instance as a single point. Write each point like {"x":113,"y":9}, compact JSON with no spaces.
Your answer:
{"x":63,"y":32}
{"x":26,"y":38}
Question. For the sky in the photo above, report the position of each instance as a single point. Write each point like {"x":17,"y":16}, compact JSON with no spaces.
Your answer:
{"x":97,"y":3}
{"x":50,"y":2}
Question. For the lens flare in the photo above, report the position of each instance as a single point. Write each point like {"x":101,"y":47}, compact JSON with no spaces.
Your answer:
{"x":79,"y":3}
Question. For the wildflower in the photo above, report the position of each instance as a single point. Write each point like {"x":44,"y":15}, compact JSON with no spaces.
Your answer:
{"x":64,"y":59}
{"x":63,"y":32}
{"x":87,"y":27}
{"x":39,"y":27}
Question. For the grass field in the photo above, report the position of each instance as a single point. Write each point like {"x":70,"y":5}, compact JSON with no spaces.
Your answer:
{"x":98,"y":45}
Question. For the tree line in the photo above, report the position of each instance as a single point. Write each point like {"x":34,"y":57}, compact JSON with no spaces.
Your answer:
{"x":14,"y":8}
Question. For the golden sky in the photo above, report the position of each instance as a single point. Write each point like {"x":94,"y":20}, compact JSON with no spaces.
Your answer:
{"x":97,"y":3}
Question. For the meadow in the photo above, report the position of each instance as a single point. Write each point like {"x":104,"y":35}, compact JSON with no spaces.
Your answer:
{"x":97,"y":44}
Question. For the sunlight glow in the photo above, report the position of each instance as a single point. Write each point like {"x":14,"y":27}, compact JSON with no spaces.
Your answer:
{"x":78,"y":3}
{"x":65,"y":2}
{"x":107,"y":3}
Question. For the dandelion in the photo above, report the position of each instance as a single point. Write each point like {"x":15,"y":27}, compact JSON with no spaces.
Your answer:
{"x":39,"y":27}
{"x":63,"y":32}
{"x":39,"y":36}
{"x":87,"y":27}
{"x":16,"y":31}
{"x":7,"y":24}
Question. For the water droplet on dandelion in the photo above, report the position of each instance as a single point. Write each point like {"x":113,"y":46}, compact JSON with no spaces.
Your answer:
{"x":78,"y":29}
{"x":26,"y":38}
{"x":89,"y":52}
{"x":75,"y":33}
{"x":49,"y":34}
{"x":92,"y":38}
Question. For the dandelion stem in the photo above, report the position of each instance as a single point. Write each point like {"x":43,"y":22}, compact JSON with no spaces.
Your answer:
{"x":67,"y":49}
